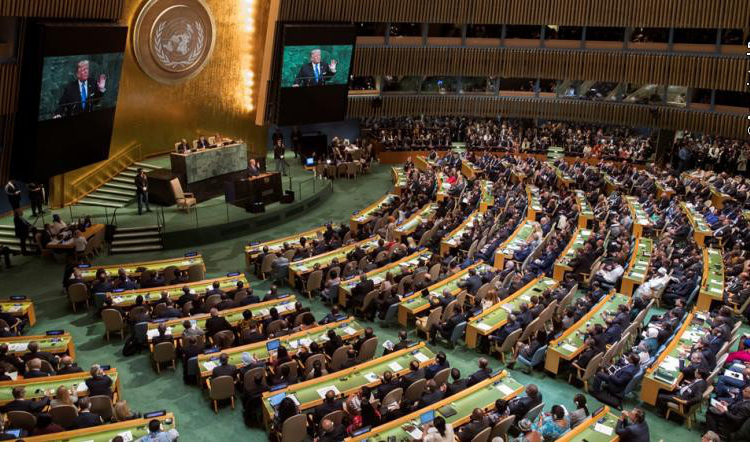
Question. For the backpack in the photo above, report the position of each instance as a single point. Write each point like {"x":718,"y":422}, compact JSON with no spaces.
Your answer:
{"x":131,"y":347}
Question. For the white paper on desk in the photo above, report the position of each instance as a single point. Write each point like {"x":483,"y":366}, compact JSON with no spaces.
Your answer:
{"x":263,"y":312}
{"x":371,"y":377}
{"x":117,"y":300}
{"x":508,"y":308}
{"x":388,"y":345}
{"x":396,"y":367}
{"x":506,"y":390}
{"x":415,"y":434}
{"x":604,"y":429}
{"x":349,"y":330}
{"x":209,"y":365}
{"x":82,"y":387}
{"x":549,"y":281}
{"x":192,"y":291}
{"x":294,"y":399}
{"x":324,"y":338}
{"x":569,"y":347}
{"x":18,"y":347}
{"x":294,"y":344}
{"x":305,"y":341}
{"x":421,"y":357}
{"x":14,"y":308}
{"x":483,"y":326}
{"x":377,"y":280}
{"x":322,"y":391}
{"x":127,"y":436}
{"x":670,"y":363}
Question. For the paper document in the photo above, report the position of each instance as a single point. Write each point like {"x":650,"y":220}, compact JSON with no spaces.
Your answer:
{"x":294,"y":399}
{"x":322,"y":391}
{"x":209,"y":365}
{"x":371,"y":377}
{"x":601,"y":428}
{"x":350,"y":330}
{"x":18,"y":347}
{"x":569,"y":347}
{"x":127,"y":436}
{"x":415,"y":434}
{"x":396,"y":367}
{"x":506,"y":390}
{"x":82,"y":387}
{"x":483,"y":326}
{"x":419,"y":356}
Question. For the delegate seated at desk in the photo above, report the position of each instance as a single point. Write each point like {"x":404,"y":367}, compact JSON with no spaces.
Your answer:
{"x":183,"y":146}
{"x":253,"y":169}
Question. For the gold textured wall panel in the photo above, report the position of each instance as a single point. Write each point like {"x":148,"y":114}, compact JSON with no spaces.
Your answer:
{"x":621,"y":13}
{"x":708,"y":72}
{"x":728,"y":125}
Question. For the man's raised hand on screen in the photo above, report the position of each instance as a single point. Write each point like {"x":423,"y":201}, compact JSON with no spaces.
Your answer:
{"x":332,"y":65}
{"x":102,"y":83}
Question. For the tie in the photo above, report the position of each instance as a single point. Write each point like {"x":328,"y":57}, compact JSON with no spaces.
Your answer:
{"x":317,"y":73}
{"x":84,"y":95}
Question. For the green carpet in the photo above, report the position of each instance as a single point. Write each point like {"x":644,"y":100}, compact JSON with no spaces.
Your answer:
{"x":146,"y":391}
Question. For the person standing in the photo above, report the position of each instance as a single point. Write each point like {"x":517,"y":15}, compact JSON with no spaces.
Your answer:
{"x":22,"y":228}
{"x":278,"y":156}
{"x":297,"y":142}
{"x":141,"y":191}
{"x":36,"y":196}
{"x":13,"y":191}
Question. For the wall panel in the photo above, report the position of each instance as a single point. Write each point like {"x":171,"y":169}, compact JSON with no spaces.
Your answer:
{"x":78,"y":9}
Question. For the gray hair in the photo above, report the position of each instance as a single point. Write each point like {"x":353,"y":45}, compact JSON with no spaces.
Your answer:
{"x":84,"y":62}
{"x":315,"y":50}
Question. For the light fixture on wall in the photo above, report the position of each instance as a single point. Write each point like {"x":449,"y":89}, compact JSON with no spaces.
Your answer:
{"x":247,"y":12}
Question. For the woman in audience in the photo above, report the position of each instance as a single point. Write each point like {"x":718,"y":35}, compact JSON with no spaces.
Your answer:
{"x":63,"y":397}
{"x":581,"y":412}
{"x":123,"y":412}
{"x":553,"y":424}
{"x":438,"y":431}
{"x":287,"y":408}
{"x":282,"y":356}
{"x":44,"y":425}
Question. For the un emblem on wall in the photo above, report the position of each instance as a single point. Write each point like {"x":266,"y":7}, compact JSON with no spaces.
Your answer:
{"x":173,"y":39}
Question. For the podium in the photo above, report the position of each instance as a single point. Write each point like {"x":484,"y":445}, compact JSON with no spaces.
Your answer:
{"x":265,"y":188}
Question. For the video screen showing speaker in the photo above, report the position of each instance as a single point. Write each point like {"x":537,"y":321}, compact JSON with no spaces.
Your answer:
{"x":70,"y":79}
{"x":314,"y":73}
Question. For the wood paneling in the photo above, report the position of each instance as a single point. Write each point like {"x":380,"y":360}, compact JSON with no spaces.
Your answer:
{"x":708,"y":72}
{"x":8,"y":88}
{"x":620,"y":13}
{"x":74,"y":9}
{"x":729,"y":125}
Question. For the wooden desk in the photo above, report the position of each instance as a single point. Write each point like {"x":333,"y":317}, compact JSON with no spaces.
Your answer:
{"x":414,"y":304}
{"x":407,"y":227}
{"x":126,"y":299}
{"x":487,"y":198}
{"x":255,"y":249}
{"x":521,"y":235}
{"x":570,"y":344}
{"x":534,"y":207}
{"x":712,"y":282}
{"x":470,"y":170}
{"x":496,"y":316}
{"x":453,"y":238}
{"x":350,"y":380}
{"x":481,"y":395}
{"x":399,"y":180}
{"x":90,"y":232}
{"x":701,"y":229}
{"x":586,"y":432}
{"x":57,"y":345}
{"x":299,"y":269}
{"x":610,"y":184}
{"x":88,"y":272}
{"x":640,"y":218}
{"x":264,"y":188}
{"x":562,"y":265}
{"x":19,"y":306}
{"x":637,"y":269}
{"x":407,"y":264}
{"x":421,"y":163}
{"x":718,"y":198}
{"x":585,"y":213}
{"x":47,"y":386}
{"x":105,"y":433}
{"x":366,"y":215}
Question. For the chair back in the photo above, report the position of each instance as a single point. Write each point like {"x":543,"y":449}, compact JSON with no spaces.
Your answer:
{"x":160,"y":308}
{"x":219,"y":336}
{"x":212,"y":301}
{"x":310,"y":361}
{"x":335,"y":416}
{"x":339,"y":356}
{"x":221,"y":388}
{"x":164,"y":351}
{"x":510,"y":342}
{"x":415,"y":390}
{"x":276,"y":326}
{"x":448,"y":311}
{"x":369,"y":298}
{"x":482,"y":436}
{"x":592,"y":366}
{"x":501,"y":428}
{"x":390,"y":313}
{"x":265,"y":266}
{"x":529,"y":330}
{"x":442,"y":376}
{"x":314,"y":281}
{"x":64,"y":415}
{"x":239,"y":296}
{"x":78,"y":293}
{"x":472,"y":250}
{"x":538,"y":356}
{"x":392,"y":397}
{"x":380,"y":257}
{"x":534,"y":412}
{"x":367,"y":350}
{"x":293,"y":367}
{"x":196,"y":272}
{"x":289,"y":254}
{"x":433,"y":318}
{"x":294,"y":429}
{"x":404,"y":281}
{"x":21,"y":419}
{"x":299,"y":320}
{"x":434,"y":272}
{"x":102,"y":405}
{"x":458,"y":332}
{"x":248,"y":380}
{"x":112,"y":319}
{"x":174,"y":183}
{"x":168,"y":273}
{"x":419,"y":278}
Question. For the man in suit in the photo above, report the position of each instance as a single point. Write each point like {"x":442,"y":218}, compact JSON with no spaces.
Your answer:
{"x":479,"y":422}
{"x":19,"y":402}
{"x":614,"y":384}
{"x":35,"y":353}
{"x":86,"y":418}
{"x":99,"y":383}
{"x":632,"y":426}
{"x":82,"y":94}
{"x":441,"y":362}
{"x":457,"y":384}
{"x":183,"y":146}
{"x":216,"y":323}
{"x":215,"y":289}
{"x":186,"y":296}
{"x":13,"y":192}
{"x":388,"y":384}
{"x":403,"y":342}
{"x":224,"y":368}
{"x":690,"y":392}
{"x":473,"y":283}
{"x":482,"y":374}
{"x":67,"y":366}
{"x":728,"y":416}
{"x":202,"y":142}
{"x":316,"y":72}
{"x":520,"y":406}
{"x":446,"y":327}
{"x":253,"y":169}
{"x":141,"y":190}
{"x":416,"y":373}
{"x":364,"y":287}
{"x":330,"y":317}
{"x":329,"y":405}
{"x":35,"y":369}
{"x":330,"y":432}
{"x":21,"y":228}
{"x":369,"y":333}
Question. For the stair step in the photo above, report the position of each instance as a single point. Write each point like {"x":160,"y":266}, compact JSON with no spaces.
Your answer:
{"x":120,"y":185}
{"x":135,"y":234}
{"x":100,"y":203}
{"x":130,"y":171}
{"x":142,"y":248}
{"x":108,"y":197}
{"x":14,"y":242}
{"x":144,"y":166}
{"x":116,"y":191}
{"x":136,"y":241}
{"x":128,"y":229}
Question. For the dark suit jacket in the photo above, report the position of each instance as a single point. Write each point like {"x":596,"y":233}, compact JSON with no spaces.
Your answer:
{"x":99,"y":385}
{"x":87,"y":419}
{"x":306,"y":75}
{"x":70,"y":101}
{"x":457,"y":386}
{"x":35,"y":374}
{"x":637,"y":432}
{"x":220,"y":371}
{"x":30,"y":406}
{"x":384,"y":389}
{"x":216,"y":324}
{"x":411,"y":377}
{"x":326,"y":408}
{"x":520,"y":406}
{"x":479,"y":375}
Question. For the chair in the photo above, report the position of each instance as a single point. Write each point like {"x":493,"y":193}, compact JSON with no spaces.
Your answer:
{"x":501,"y":428}
{"x":164,"y":352}
{"x":341,"y":170}
{"x":534,"y":412}
{"x":442,"y":376}
{"x":113,"y":322}
{"x":390,"y":314}
{"x":220,"y":388}
{"x":64,"y":415}
{"x":482,"y":436}
{"x":508,"y":344}
{"x":392,"y":397}
{"x":434,"y":272}
{"x":458,"y":334}
{"x":168,"y":273}
{"x":414,"y":391}
{"x":338,"y":357}
{"x":21,"y":419}
{"x":265,"y":265}
{"x":335,"y":416}
{"x":404,"y":281}
{"x":367,"y":350}
{"x":239,"y":296}
{"x":46,"y":367}
{"x":299,"y":320}
{"x":351,"y":170}
{"x":536,"y":359}
{"x":425,"y":323}
{"x":78,"y":293}
{"x":314,"y":282}
{"x":102,"y":405}
{"x":529,"y":330}
{"x":585,"y":374}
{"x":311,"y":361}
{"x":689,"y":413}
{"x":292,"y":370}
{"x":211,"y":302}
{"x":448,"y":311}
{"x":248,"y":380}
{"x":367,"y":301}
{"x":275,"y":326}
{"x":196,"y":272}
{"x":184,"y":200}
{"x":294,"y":429}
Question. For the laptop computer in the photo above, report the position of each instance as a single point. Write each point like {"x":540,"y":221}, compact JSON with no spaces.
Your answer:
{"x":427,"y":417}
{"x":273,"y":345}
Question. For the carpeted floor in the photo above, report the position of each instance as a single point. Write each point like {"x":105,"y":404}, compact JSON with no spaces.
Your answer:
{"x":146,"y":391}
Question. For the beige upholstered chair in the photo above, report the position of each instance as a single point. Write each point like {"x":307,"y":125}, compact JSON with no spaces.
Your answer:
{"x":113,"y":322}
{"x":184,"y":200}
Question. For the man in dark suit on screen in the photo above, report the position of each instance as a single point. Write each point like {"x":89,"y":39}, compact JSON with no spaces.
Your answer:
{"x":315,"y":73}
{"x":81,"y":94}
